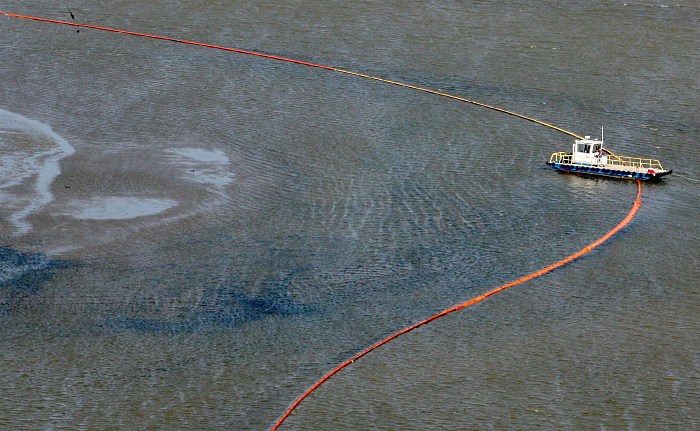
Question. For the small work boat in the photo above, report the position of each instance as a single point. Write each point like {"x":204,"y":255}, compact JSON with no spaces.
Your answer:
{"x":589,"y":157}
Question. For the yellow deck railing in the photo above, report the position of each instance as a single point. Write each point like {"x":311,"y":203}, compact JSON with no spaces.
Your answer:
{"x":561,"y":157}
{"x":611,"y":160}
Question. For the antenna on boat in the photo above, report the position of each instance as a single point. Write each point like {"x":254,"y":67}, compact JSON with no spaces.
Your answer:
{"x":601,"y":137}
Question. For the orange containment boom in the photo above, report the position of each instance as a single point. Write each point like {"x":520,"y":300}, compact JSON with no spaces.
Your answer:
{"x":628,"y":218}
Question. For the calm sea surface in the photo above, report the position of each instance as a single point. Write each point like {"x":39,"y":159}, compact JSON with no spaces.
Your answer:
{"x":189,"y":238}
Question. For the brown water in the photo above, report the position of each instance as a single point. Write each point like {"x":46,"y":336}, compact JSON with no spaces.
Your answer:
{"x":190,"y":238}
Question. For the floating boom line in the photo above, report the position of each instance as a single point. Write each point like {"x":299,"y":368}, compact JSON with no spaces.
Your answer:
{"x":290,"y":60}
{"x":624,"y":222}
{"x":477,"y":299}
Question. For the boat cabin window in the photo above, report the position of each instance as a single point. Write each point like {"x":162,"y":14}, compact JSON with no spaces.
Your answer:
{"x":583,"y":148}
{"x":587,"y":148}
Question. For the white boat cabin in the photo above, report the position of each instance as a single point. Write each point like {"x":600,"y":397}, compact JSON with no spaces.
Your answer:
{"x":589,"y":151}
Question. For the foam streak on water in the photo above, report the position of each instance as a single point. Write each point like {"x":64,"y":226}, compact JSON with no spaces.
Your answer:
{"x":30,"y":154}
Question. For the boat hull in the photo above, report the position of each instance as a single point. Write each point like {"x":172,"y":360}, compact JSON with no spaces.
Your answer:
{"x":602,"y":171}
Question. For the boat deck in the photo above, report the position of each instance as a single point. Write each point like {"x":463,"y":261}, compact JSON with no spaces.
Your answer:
{"x":610,"y":165}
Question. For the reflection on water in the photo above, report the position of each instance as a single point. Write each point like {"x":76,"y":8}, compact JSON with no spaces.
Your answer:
{"x":238,"y":226}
